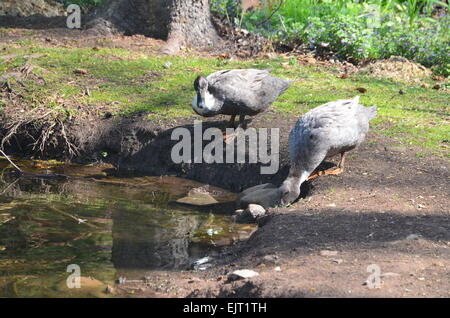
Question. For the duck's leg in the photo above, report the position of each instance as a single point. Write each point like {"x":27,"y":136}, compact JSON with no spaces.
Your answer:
{"x":231,"y":121}
{"x":332,"y":171}
{"x":242,"y":123}
{"x":230,"y":138}
{"x":342,"y":161}
{"x":340,"y":166}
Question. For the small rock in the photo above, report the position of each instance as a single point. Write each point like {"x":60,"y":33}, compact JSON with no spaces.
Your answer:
{"x":193,"y":280}
{"x":242,"y":274}
{"x":277,"y":269}
{"x":167,"y":65}
{"x":198,"y":198}
{"x":338,"y":261}
{"x":256,"y":210}
{"x":270,"y":259}
{"x":202,"y":263}
{"x":395,"y":148}
{"x":413,"y":236}
{"x":328,"y":253}
{"x":253,"y":213}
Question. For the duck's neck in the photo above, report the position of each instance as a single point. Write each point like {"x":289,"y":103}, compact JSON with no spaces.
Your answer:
{"x":297,"y":176}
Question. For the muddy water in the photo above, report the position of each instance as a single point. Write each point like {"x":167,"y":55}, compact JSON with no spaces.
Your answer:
{"x":110,"y":226}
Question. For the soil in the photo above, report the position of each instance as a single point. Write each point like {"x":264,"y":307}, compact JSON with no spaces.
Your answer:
{"x":396,"y":68}
{"x":388,"y":208}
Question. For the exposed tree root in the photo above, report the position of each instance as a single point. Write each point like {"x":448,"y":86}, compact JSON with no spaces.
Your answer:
{"x":71,"y":148}
{"x":49,"y":127}
{"x":14,"y":126}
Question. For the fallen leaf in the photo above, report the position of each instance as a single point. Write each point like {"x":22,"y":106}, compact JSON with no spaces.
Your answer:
{"x":361,"y":90}
{"x":80,"y":71}
{"x":224,"y":56}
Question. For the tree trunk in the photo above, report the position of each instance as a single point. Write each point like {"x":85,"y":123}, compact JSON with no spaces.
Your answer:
{"x":180,"y":22}
{"x":125,"y":16}
{"x":190,"y":24}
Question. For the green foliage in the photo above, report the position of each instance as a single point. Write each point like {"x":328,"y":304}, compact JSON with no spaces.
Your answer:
{"x":356,"y":31}
{"x":229,"y":9}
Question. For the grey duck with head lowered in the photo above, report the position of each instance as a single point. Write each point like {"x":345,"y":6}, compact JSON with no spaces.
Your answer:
{"x":237,"y":92}
{"x":325,"y":131}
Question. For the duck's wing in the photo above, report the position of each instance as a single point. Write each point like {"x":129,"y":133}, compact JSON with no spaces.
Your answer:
{"x":246,"y":79}
{"x":331,"y":126}
{"x":334,"y":114}
{"x":240,"y":87}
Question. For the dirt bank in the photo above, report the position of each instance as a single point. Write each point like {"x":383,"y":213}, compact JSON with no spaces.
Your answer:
{"x":141,"y":145}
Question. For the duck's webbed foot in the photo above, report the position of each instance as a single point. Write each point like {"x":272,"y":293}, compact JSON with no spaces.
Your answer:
{"x":332,"y":171}
{"x":229,"y":138}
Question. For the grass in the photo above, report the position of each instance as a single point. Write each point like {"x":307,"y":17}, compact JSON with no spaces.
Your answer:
{"x":124,"y":82}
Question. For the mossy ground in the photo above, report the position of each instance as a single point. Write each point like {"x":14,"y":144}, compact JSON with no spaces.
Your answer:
{"x":125,"y":81}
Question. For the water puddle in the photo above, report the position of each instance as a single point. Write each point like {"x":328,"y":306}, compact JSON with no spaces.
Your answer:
{"x":110,"y":226}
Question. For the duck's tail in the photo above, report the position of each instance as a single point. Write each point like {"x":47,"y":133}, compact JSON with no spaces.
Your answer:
{"x":372,"y":112}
